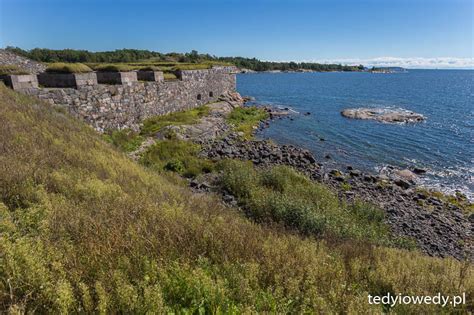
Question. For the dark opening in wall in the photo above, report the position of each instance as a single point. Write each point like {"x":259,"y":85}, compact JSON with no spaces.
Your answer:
{"x":211,"y":94}
{"x":199,"y":97}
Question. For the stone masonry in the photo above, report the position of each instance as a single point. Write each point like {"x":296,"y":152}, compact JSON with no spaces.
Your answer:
{"x":126,"y":105}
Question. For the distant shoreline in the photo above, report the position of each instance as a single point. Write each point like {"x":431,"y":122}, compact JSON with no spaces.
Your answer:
{"x":314,"y":71}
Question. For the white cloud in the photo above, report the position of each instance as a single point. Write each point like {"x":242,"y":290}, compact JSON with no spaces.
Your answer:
{"x":413,"y":63}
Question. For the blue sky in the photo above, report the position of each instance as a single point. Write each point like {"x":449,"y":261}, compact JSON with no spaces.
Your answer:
{"x":413,"y":32}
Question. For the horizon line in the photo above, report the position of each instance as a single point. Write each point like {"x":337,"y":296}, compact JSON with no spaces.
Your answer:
{"x":421,"y":63}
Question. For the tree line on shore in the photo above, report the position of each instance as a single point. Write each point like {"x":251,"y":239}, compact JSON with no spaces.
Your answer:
{"x":136,"y":55}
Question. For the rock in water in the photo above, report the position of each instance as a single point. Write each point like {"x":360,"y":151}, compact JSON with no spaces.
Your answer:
{"x":406,"y":175}
{"x":383,"y":115}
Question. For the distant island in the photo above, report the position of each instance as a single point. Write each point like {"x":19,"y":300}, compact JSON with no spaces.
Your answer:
{"x":387,"y":69}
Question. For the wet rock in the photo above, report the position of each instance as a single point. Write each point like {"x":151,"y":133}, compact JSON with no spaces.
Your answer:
{"x":354,"y":173}
{"x":402,"y":183}
{"x":335,"y":172}
{"x":406,"y":175}
{"x":232,"y":97}
{"x":419,"y":171}
{"x":420,"y":196}
{"x":370,"y":178}
{"x":339,"y":178}
{"x":434,"y":201}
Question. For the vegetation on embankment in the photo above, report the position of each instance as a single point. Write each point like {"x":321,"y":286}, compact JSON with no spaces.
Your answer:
{"x":155,"y":124}
{"x":125,"y":139}
{"x":178,"y":156}
{"x":282,"y":195}
{"x":246,"y":119}
{"x":11,"y":69}
{"x":128,"y":140}
{"x":84,"y":229}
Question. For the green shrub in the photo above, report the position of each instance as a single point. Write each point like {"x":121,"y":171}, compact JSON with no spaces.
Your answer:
{"x":346,"y":186}
{"x":125,"y":139}
{"x":239,"y":179}
{"x":282,"y":195}
{"x":61,"y":67}
{"x":245,"y":119}
{"x":11,"y":69}
{"x":178,"y":156}
{"x":116,"y":67}
{"x":175,"y":165}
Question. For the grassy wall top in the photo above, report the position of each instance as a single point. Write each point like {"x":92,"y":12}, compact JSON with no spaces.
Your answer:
{"x":11,"y":69}
{"x":62,"y":67}
{"x":113,"y":67}
{"x":150,"y":66}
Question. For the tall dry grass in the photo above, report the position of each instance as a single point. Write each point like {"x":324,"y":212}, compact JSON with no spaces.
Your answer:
{"x":83,"y":229}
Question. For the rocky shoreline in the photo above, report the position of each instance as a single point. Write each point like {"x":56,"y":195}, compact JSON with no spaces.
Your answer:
{"x":439,"y":227}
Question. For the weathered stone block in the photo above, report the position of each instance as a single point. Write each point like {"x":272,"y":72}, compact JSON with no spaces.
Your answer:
{"x":20,"y":81}
{"x":117,"y":77}
{"x":67,"y":79}
{"x":188,"y":75}
{"x":86,"y":79}
{"x":156,"y":76}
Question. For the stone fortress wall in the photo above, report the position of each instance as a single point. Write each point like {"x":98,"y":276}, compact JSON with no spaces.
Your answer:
{"x":126,"y":101}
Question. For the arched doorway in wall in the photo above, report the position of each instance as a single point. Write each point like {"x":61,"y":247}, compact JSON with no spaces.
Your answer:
{"x":199,"y":97}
